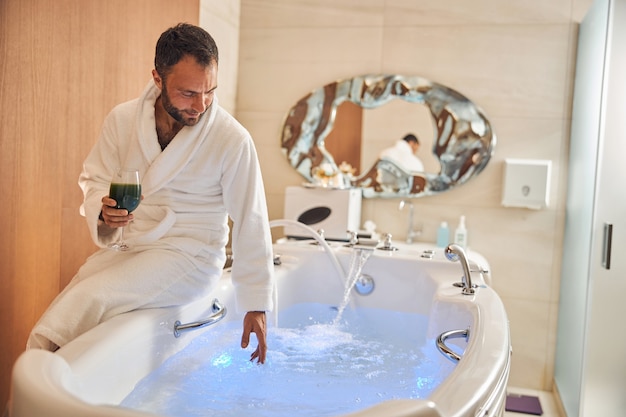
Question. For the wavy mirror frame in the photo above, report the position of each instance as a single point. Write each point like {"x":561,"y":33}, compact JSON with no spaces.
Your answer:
{"x":463,"y":140}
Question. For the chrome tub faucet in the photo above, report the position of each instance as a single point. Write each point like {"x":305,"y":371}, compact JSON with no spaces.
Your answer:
{"x":411,"y":233}
{"x":456,"y":253}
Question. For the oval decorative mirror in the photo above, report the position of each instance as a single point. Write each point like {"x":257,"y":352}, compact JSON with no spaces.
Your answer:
{"x":462,"y":141}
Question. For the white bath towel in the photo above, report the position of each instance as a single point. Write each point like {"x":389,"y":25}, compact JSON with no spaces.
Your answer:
{"x":208,"y":172}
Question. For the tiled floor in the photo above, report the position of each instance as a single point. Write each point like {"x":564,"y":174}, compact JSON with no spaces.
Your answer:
{"x":546,"y":399}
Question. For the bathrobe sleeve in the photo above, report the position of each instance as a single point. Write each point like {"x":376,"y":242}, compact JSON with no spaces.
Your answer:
{"x":98,"y":170}
{"x":244,"y":199}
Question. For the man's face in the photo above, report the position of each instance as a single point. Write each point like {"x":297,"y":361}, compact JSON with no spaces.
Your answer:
{"x":188,"y":90}
{"x":414,"y":146}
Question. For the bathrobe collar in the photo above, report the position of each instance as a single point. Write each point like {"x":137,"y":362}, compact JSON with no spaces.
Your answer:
{"x":158,"y":167}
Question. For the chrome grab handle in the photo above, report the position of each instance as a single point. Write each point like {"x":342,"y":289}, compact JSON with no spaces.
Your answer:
{"x":451,"y":334}
{"x":219,"y":312}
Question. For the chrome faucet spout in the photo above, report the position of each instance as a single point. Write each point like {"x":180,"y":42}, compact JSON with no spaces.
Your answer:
{"x":319,"y":239}
{"x":454,"y":253}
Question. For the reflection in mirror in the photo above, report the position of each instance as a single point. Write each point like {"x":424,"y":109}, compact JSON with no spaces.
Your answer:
{"x":384,"y":126}
{"x":461,"y":139}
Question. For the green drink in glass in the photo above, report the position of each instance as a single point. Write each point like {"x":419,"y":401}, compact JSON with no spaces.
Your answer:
{"x":126,"y":191}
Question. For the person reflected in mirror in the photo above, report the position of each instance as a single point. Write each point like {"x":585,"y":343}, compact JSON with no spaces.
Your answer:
{"x":403,"y":153}
{"x":199,"y":167}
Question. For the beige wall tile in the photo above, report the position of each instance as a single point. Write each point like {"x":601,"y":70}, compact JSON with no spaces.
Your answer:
{"x":221,"y":19}
{"x":530,"y":330}
{"x":462,"y":12}
{"x":579,"y":9}
{"x":280,"y":66}
{"x":551,"y":345}
{"x":510,"y":71}
{"x":319,"y":13}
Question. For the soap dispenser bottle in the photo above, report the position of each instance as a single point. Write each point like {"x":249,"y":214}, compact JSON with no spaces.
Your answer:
{"x":460,"y":234}
{"x":443,"y":235}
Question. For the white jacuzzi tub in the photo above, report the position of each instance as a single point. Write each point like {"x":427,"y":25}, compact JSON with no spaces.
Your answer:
{"x":90,"y":376}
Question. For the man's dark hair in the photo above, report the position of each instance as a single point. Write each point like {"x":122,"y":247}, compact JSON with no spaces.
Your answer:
{"x":411,"y":138}
{"x":180,"y":40}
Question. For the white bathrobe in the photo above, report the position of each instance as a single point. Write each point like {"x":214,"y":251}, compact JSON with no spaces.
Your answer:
{"x":402,"y":155}
{"x":208,"y":172}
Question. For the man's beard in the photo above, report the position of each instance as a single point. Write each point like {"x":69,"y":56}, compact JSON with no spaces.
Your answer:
{"x":176,"y":113}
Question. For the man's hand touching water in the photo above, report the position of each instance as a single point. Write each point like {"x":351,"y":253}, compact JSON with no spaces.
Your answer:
{"x":254,"y":322}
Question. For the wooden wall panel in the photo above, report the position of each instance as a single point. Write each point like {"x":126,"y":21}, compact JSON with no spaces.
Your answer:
{"x":63,"y":66}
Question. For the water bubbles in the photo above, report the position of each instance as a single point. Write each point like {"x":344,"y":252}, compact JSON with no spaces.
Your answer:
{"x":314,"y":367}
{"x":222,"y":361}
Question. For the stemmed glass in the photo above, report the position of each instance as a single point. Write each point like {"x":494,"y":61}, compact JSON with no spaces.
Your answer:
{"x":126,"y":191}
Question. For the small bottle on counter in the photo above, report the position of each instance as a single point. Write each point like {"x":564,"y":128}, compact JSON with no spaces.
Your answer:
{"x":460,"y":234}
{"x":443,"y":235}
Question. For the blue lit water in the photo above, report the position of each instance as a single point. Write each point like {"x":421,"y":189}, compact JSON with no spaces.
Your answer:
{"x":314,"y":367}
